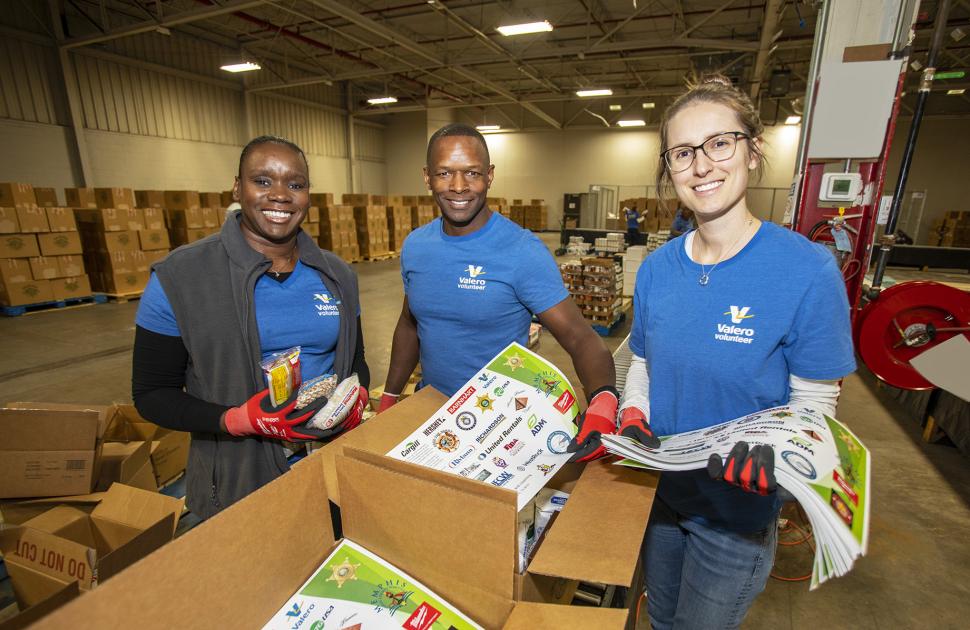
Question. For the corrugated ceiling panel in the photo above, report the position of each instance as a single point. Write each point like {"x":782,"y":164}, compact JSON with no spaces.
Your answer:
{"x":120,"y":98}
{"x":320,"y":93}
{"x":33,"y":16}
{"x":369,"y":143}
{"x":315,"y":130}
{"x":29,"y":76}
{"x":175,"y":51}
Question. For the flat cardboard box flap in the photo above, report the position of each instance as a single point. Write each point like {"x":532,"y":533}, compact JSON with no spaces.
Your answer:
{"x":261,"y":550}
{"x":137,"y":508}
{"x":604,"y":493}
{"x":382,"y":432}
{"x":37,"y":595}
{"x":49,"y":429}
{"x":529,"y":616}
{"x":464,"y":547}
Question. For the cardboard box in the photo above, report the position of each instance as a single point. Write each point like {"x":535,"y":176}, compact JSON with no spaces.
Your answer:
{"x":46,"y":197}
{"x":123,"y":283}
{"x":43,"y":267}
{"x":321,"y":199}
{"x":120,"y":198}
{"x":59,"y":243}
{"x":356,"y":199}
{"x":80,"y":198}
{"x":37,"y":595}
{"x":112,"y":262}
{"x":19,"y":511}
{"x":169,"y":449}
{"x":126,"y":241}
{"x":184,"y":235}
{"x":32,"y":219}
{"x":61,"y":220}
{"x":225,"y":198}
{"x":68,"y":544}
{"x":111,"y":219}
{"x":127,"y":463}
{"x":404,"y":527}
{"x":71,"y":287}
{"x":68,"y":266}
{"x":15,"y":271}
{"x":24,"y":293}
{"x":19,"y":246}
{"x":601,"y":488}
{"x":210,"y":217}
{"x":16,"y":195}
{"x":49,"y":450}
{"x":210,"y":200}
{"x":185,"y":218}
{"x":312,"y":215}
{"x":182,"y":200}
{"x":150,"y":199}
{"x":9,"y":224}
{"x":153,"y":239}
{"x":154,"y":218}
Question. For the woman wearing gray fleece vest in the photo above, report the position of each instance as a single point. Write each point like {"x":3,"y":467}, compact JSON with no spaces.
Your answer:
{"x":215,"y":307}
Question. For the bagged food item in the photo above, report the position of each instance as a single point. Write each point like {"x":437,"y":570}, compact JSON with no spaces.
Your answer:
{"x":548,"y":502}
{"x":322,"y":386}
{"x":525,"y":534}
{"x":282,"y":372}
{"x":338,"y":407}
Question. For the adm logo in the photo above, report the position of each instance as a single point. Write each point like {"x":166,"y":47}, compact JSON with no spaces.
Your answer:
{"x":536,"y":425}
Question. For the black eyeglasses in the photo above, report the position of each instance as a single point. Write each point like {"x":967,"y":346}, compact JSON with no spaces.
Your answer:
{"x":717,"y":148}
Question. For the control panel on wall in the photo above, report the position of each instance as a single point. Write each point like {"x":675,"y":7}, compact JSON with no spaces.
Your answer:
{"x":840,"y":189}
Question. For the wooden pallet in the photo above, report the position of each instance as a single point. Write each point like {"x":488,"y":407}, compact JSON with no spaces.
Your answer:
{"x":603,"y":330}
{"x":39,"y":307}
{"x":121,"y":298}
{"x":387,"y":256}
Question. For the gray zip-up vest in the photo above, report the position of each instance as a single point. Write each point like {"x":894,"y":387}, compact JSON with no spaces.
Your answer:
{"x":210,"y":285}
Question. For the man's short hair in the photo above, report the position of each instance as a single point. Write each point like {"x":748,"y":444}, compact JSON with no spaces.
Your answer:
{"x":457,"y":129}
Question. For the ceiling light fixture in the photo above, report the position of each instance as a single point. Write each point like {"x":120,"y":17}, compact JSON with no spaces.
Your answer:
{"x":524,"y":29}
{"x":649,"y":105}
{"x":631,"y":123}
{"x":615,"y":108}
{"x":383,"y":100}
{"x":245,"y":66}
{"x":488,"y":127}
{"x":956,"y":92}
{"x":594,"y":92}
{"x":793,"y":120}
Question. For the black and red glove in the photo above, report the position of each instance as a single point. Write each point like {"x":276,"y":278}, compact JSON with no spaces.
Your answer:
{"x":257,"y":416}
{"x":387,"y":401}
{"x":751,"y":470}
{"x":598,"y":419}
{"x":633,"y":424}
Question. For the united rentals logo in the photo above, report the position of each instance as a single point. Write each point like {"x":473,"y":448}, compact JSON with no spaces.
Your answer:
{"x":471,"y":280}
{"x":735,"y":332}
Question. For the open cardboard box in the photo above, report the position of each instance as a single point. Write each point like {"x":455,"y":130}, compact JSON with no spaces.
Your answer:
{"x":456,"y":538}
{"x":68,"y":544}
{"x":49,"y":449}
{"x":169,"y":449}
{"x":37,"y":594}
{"x":128,"y":463}
{"x":602,"y":497}
{"x":19,"y":511}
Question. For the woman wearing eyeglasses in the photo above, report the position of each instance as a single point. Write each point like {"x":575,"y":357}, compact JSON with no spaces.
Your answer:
{"x":733,"y":317}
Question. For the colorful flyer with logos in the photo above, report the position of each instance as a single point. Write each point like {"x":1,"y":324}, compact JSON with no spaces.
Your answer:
{"x":356,"y":590}
{"x":508,"y":426}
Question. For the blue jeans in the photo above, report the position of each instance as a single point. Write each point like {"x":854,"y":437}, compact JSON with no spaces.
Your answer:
{"x":699,"y":577}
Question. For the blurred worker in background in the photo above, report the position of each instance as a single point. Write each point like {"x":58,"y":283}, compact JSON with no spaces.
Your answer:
{"x":215,"y":308}
{"x":472,"y":281}
{"x":735,"y":317}
{"x":633,"y":221}
{"x":683,"y":222}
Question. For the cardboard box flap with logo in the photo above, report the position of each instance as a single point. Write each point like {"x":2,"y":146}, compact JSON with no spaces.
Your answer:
{"x":260,"y":550}
{"x":599,"y":490}
{"x":70,"y":544}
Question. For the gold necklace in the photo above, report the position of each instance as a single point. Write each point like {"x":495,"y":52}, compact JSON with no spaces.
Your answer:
{"x":705,"y":274}
{"x":276,"y":274}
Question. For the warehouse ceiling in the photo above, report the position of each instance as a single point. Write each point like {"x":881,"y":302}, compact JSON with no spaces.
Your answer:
{"x":448,"y":53}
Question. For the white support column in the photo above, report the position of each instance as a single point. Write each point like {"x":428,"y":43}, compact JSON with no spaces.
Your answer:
{"x":69,"y":77}
{"x":351,"y":144}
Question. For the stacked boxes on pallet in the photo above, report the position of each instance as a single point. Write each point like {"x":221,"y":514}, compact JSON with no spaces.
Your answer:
{"x":531,"y":216}
{"x":39,"y":250}
{"x":398,"y":222}
{"x":370,"y":214}
{"x":111,"y":235}
{"x":311,"y":223}
{"x":187,"y":219}
{"x":612,"y":243}
{"x":595,"y":284}
{"x":338,"y":231}
{"x":500,"y":205}
{"x":632,"y":260}
{"x":953,"y":230}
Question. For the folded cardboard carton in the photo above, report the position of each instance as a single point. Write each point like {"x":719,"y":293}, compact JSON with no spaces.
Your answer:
{"x":19,"y":511}
{"x":559,"y":564}
{"x":264,"y":547}
{"x":128,"y":463}
{"x":169,"y":449}
{"x":37,"y":594}
{"x":18,"y":246}
{"x":49,"y":449}
{"x":68,"y":544}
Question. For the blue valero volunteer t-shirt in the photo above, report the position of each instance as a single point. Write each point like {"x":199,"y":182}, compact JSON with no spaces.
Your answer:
{"x":298,"y":311}
{"x":472,"y":295}
{"x":727,"y":349}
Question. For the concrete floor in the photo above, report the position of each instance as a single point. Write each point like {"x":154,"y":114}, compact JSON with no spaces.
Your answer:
{"x":917,"y":573}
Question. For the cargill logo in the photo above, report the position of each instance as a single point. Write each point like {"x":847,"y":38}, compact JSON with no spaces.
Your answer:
{"x":475,"y":270}
{"x":739,"y":314}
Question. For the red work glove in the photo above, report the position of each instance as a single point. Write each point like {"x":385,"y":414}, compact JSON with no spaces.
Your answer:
{"x":258,"y":417}
{"x":387,"y":401}
{"x":633,"y":424}
{"x":751,"y":470}
{"x":598,"y":419}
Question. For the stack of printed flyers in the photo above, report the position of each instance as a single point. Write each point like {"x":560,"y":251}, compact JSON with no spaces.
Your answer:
{"x":508,"y":426}
{"x":817,"y":459}
{"x":356,"y":590}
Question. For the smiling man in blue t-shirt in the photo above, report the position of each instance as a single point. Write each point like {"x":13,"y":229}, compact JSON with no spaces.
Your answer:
{"x":472,"y":281}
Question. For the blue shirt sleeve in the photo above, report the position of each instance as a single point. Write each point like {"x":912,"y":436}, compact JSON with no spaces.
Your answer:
{"x":539,"y":284}
{"x":155,"y":311}
{"x":638,"y":331}
{"x":819,"y":345}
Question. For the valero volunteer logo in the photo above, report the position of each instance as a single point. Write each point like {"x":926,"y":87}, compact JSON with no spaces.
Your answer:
{"x":470,"y":280}
{"x":735,"y":332}
{"x":326,"y":305}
